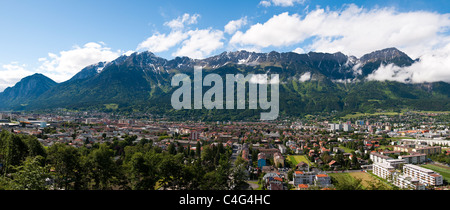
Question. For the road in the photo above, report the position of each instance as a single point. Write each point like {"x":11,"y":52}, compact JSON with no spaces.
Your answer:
{"x":344,"y":171}
{"x":253,"y":185}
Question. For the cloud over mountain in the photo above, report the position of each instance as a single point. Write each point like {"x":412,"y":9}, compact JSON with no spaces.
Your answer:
{"x":351,"y":30}
{"x":430,"y":68}
{"x":356,"y":30}
{"x":67,"y":63}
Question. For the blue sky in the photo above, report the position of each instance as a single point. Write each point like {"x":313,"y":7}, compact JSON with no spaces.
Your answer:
{"x":58,"y":38}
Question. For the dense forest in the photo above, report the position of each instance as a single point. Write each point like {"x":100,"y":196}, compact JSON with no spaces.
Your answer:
{"x":120,"y":165}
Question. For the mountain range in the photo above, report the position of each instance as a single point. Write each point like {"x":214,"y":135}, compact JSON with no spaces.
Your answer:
{"x":309,"y":83}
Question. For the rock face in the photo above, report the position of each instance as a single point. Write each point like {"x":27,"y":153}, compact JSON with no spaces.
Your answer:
{"x":26,"y":90}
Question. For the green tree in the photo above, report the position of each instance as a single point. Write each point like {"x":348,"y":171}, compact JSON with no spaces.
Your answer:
{"x":65,"y":161}
{"x":35,"y":147}
{"x":171,"y":149}
{"x":31,"y":175}
{"x":170,"y":169}
{"x":143,"y":169}
{"x":102,"y":169}
{"x":223,"y":177}
{"x":13,"y":150}
{"x":198,"y":149}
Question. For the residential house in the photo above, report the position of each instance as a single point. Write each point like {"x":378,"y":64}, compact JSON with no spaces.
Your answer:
{"x":302,"y":187}
{"x":274,"y":181}
{"x":302,"y":166}
{"x":278,"y":159}
{"x":303,"y":177}
{"x":261,"y":160}
{"x":322,"y":180}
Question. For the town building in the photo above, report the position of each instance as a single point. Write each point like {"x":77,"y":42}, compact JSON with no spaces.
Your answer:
{"x":322,"y":180}
{"x":383,"y":170}
{"x":379,"y":158}
{"x":427,"y":150}
{"x":278,"y":159}
{"x":302,"y":166}
{"x":414,"y":158}
{"x":303,"y":177}
{"x":407,"y":182}
{"x":425,"y":176}
{"x":261,"y":160}
{"x":269,"y":152}
{"x":274,"y":181}
{"x":311,"y":178}
{"x":335,"y":127}
{"x":347,"y":127}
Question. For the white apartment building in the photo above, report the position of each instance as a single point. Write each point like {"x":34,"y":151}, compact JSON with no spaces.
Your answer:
{"x":379,"y":158}
{"x":414,"y":158}
{"x":425,"y":176}
{"x":304,"y":177}
{"x":311,"y":178}
{"x":322,"y":180}
{"x":407,"y":182}
{"x":396,"y":163}
{"x":347,"y":127}
{"x":427,"y":150}
{"x":383,"y":170}
{"x":335,"y":127}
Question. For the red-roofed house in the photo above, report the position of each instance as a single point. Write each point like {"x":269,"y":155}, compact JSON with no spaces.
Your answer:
{"x":302,"y":187}
{"x":322,"y":180}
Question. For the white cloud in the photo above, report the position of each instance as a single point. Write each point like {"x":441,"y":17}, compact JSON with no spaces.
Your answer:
{"x":61,"y":67}
{"x":299,"y":50}
{"x":431,"y":67}
{"x":12,"y":73}
{"x":129,"y":52}
{"x":351,"y":30}
{"x":196,"y":43}
{"x":305,"y":77}
{"x":265,"y":3}
{"x":282,"y":3}
{"x":180,"y":22}
{"x":200,"y":43}
{"x":235,"y":25}
{"x":280,"y":30}
{"x":264,"y":79}
{"x":162,"y":42}
{"x":356,"y":31}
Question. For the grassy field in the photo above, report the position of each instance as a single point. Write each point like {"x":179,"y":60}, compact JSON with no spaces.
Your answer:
{"x":346,"y":150}
{"x":366,"y":179}
{"x":444,"y":171}
{"x":341,"y":176}
{"x":358,"y":114}
{"x":384,"y":147}
{"x":295,"y":159}
{"x":112,"y":106}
